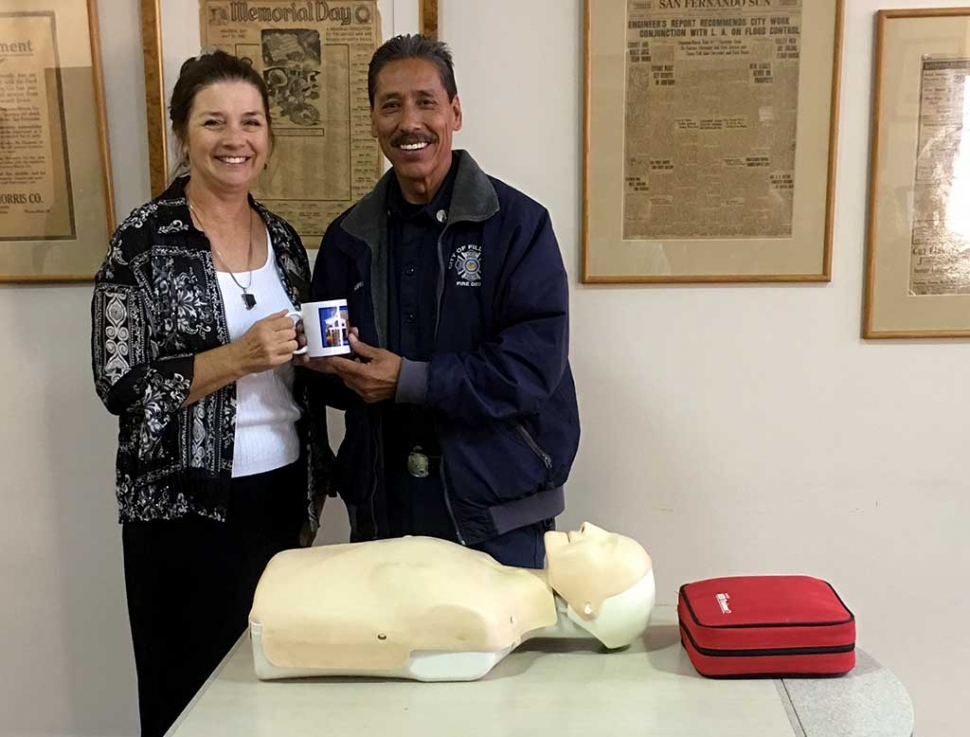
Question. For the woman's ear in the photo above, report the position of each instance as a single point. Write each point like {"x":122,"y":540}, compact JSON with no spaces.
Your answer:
{"x":181,"y":156}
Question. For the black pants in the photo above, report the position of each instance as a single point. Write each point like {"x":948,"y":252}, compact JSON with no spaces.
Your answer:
{"x":190,"y":585}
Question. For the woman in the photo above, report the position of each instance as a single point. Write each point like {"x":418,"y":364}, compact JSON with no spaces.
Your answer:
{"x":192,"y":348}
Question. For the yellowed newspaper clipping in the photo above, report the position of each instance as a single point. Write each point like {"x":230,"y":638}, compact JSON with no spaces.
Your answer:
{"x":35,"y":192}
{"x":711,"y":109}
{"x":940,"y":256}
{"x":313,"y":56}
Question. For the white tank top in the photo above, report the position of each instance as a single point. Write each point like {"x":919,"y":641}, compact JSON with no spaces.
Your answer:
{"x":266,"y":412}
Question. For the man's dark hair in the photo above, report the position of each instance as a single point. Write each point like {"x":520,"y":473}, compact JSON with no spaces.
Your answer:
{"x":413,"y":46}
{"x":199,"y":72}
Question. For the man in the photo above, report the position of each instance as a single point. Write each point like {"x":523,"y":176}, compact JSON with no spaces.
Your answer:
{"x":468,"y":425}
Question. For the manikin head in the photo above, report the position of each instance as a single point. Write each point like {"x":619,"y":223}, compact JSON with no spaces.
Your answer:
{"x":606,"y":580}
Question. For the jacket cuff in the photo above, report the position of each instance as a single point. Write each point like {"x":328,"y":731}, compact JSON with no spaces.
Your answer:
{"x":412,"y":384}
{"x":181,"y":365}
{"x":170,"y":377}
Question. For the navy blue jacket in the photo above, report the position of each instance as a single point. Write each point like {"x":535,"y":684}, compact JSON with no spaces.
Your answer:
{"x":499,"y":381}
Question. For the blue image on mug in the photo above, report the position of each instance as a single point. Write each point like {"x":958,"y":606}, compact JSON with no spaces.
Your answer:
{"x":333,"y":326}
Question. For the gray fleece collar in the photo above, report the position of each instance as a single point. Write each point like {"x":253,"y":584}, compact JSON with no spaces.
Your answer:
{"x":473,"y":199}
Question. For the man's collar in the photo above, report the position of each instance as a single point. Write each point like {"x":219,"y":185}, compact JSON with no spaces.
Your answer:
{"x":473,"y":198}
{"x":433,"y":209}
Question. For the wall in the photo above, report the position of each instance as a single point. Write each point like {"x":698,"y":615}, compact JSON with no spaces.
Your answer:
{"x":731,"y":429}
{"x":67,"y":667}
{"x":745,"y":429}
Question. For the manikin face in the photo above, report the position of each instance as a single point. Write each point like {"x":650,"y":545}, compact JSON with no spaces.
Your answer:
{"x":592,"y":536}
{"x":589,"y":565}
{"x":414,"y":120}
{"x":588,"y":541}
{"x":227,"y":136}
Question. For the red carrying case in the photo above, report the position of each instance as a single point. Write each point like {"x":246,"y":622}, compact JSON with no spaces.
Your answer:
{"x":766,"y":626}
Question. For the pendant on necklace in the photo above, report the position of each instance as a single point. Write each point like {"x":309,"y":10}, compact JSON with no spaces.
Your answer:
{"x":249,"y":300}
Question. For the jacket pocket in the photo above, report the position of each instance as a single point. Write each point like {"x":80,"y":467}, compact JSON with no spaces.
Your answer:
{"x":533,"y":445}
{"x":555,"y":428}
{"x":495,"y":463}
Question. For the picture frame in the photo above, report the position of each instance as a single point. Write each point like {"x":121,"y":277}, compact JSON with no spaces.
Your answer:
{"x":709,"y":141}
{"x":56,"y":201}
{"x":918,"y":243}
{"x":172,"y":32}
{"x":429,"y":18}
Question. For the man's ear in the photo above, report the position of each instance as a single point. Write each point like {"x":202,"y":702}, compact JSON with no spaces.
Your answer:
{"x":456,"y":109}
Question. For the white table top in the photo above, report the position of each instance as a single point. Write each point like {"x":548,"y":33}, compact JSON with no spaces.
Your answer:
{"x":556,"y":687}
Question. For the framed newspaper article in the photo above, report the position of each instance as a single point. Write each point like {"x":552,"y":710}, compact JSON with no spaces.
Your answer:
{"x":918,"y":250}
{"x":55,"y":186}
{"x":429,"y":18}
{"x":710,"y":140}
{"x":313,"y":55}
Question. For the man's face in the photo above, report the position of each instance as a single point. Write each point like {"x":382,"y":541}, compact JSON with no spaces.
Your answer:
{"x":414,"y":120}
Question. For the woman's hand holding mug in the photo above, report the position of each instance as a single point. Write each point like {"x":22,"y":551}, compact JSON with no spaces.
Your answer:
{"x":268,"y":343}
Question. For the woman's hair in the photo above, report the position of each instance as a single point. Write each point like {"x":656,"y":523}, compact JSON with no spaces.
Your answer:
{"x":199,"y":72}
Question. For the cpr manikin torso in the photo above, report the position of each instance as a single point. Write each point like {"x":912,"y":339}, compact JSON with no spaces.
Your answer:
{"x":431,"y":610}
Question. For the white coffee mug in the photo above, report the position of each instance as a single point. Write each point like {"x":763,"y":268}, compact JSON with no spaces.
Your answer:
{"x":326,"y":326}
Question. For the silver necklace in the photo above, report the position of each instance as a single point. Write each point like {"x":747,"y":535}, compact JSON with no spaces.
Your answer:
{"x":248,"y":299}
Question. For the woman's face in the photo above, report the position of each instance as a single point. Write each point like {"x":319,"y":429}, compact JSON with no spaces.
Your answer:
{"x":227,"y":136}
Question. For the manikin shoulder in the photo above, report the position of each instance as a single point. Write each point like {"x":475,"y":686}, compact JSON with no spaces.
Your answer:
{"x":422,"y":573}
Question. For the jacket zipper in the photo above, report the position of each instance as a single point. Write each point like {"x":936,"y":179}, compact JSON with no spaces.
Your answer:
{"x":543,"y":456}
{"x":440,"y":287}
{"x":762,"y":652}
{"x":451,"y":512}
{"x":377,"y":470}
{"x":686,"y":599}
{"x":437,"y":319}
{"x":378,"y":443}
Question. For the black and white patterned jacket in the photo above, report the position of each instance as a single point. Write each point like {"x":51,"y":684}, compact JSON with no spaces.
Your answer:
{"x":156,"y":304}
